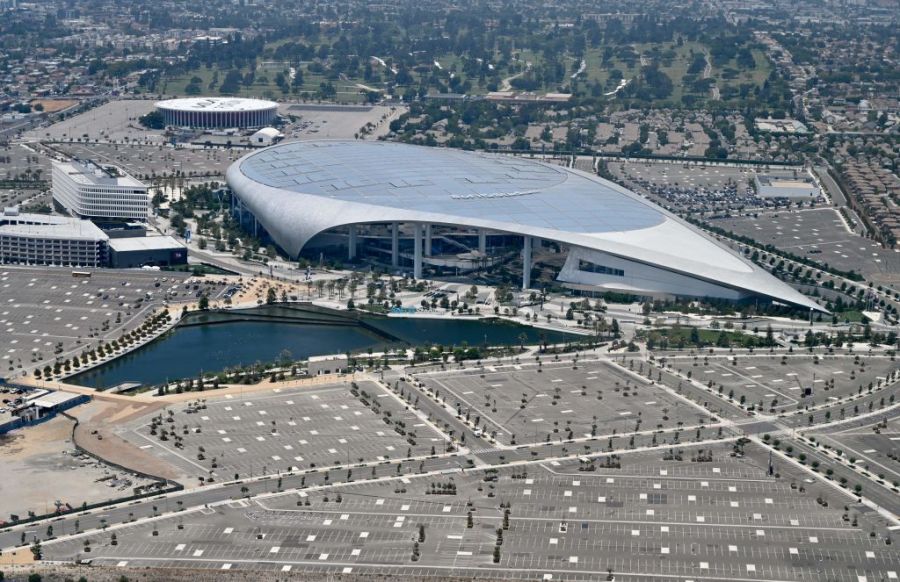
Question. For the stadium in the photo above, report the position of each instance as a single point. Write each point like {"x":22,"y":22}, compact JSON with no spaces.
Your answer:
{"x":453,"y":211}
{"x":218,"y":112}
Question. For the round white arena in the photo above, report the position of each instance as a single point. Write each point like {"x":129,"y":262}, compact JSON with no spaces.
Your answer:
{"x":218,"y":112}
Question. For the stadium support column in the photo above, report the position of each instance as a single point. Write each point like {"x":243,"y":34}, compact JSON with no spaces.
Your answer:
{"x":482,"y":242}
{"x":526,"y":264}
{"x":417,"y":251}
{"x":427,"y":240}
{"x":351,"y":243}
{"x":395,"y":244}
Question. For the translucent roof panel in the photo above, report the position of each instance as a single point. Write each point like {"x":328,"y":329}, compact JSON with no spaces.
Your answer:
{"x":452,"y":182}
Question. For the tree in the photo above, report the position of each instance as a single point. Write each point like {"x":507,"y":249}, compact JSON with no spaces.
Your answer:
{"x":153,"y":120}
{"x":203,"y":304}
{"x":695,"y":336}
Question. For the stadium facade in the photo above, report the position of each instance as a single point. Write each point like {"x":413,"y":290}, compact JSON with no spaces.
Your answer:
{"x":395,"y":198}
{"x":218,"y":112}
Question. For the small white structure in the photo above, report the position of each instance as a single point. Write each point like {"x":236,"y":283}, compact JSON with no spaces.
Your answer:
{"x":332,"y":364}
{"x":266,"y":137}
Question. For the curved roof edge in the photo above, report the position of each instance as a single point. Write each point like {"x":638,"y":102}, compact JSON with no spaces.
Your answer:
{"x":216,"y":104}
{"x":294,"y":218}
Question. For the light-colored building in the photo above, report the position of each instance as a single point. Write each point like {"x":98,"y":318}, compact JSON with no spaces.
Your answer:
{"x":770,"y":125}
{"x":90,"y":190}
{"x":38,"y":239}
{"x":309,"y":193}
{"x":331,"y":364}
{"x":265,"y":137}
{"x":793,"y":187}
{"x":218,"y":112}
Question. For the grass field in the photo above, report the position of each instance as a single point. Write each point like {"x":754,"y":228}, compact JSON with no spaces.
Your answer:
{"x":263,"y":86}
{"x":672,"y":59}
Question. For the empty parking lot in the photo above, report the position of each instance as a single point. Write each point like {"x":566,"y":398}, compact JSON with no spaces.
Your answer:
{"x":283,"y":430}
{"x":721,"y":518}
{"x":539,"y":403}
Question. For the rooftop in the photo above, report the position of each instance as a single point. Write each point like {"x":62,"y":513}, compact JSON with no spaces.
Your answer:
{"x":54,"y":398}
{"x":144,"y":243}
{"x":786,"y":181}
{"x":300,"y":189}
{"x":48,"y":226}
{"x":92,"y":174}
{"x":217,"y":104}
{"x":454,"y":182}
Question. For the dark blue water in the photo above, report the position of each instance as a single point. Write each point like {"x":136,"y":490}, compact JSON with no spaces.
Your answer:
{"x":215,"y":345}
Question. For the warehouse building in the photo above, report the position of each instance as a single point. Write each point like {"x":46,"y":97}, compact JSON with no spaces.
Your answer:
{"x":141,"y":251}
{"x":792,"y":187}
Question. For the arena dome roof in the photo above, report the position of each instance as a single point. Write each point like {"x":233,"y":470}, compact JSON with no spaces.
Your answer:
{"x":297,"y":190}
{"x":217,"y":104}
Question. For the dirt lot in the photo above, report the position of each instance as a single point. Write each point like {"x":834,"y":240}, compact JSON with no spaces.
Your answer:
{"x":39,"y":457}
{"x":101,"y":416}
{"x":54,"y":105}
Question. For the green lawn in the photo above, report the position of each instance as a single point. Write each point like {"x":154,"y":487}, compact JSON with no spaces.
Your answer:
{"x":674,"y":65}
{"x":708,"y":337}
{"x":263,"y":86}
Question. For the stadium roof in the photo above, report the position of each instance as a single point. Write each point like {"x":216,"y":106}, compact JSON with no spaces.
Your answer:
{"x":299,"y":189}
{"x":221,"y":104}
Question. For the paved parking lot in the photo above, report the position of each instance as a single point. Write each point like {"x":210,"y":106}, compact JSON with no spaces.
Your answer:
{"x":725,"y":518}
{"x":536,"y":404}
{"x":334,"y":121}
{"x":692,"y":188}
{"x":776,"y":383}
{"x":143,"y":162}
{"x":820,"y":235}
{"x":875,"y":447}
{"x":115,"y":121}
{"x":286,"y":429}
{"x":19,"y":162}
{"x":46,"y":313}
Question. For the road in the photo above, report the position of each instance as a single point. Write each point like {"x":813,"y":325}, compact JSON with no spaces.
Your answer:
{"x":834,"y":191}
